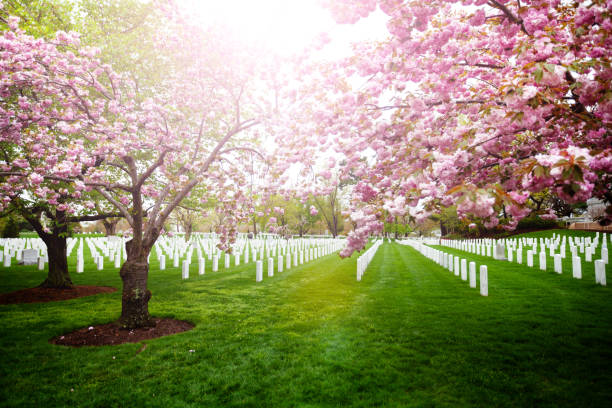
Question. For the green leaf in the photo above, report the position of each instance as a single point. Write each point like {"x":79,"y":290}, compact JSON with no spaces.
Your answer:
{"x":538,"y":73}
{"x":549,"y":67}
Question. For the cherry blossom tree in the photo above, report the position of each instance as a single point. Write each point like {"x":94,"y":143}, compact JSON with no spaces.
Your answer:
{"x":40,"y":114}
{"x":143,"y":155}
{"x":474,"y":103}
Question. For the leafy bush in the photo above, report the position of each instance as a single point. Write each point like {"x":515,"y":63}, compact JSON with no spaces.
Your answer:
{"x":535,"y":222}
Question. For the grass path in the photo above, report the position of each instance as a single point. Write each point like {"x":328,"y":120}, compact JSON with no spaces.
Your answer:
{"x":409,"y":334}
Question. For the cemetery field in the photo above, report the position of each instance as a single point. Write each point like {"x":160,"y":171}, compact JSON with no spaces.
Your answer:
{"x":411,"y":333}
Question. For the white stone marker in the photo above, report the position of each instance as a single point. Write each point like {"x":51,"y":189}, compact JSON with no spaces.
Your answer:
{"x":246,"y":255}
{"x":588,"y":255}
{"x":237,"y":259}
{"x":270,"y":267}
{"x":519,"y":256}
{"x":295,"y":258}
{"x":484,"y":281}
{"x":175,"y":261}
{"x":543,"y":261}
{"x":604,"y":255}
{"x":530,"y":258}
{"x":29,"y":256}
{"x":576,"y":267}
{"x":288,"y":264}
{"x":202,"y":266}
{"x":280,"y":263}
{"x":451,"y":263}
{"x":227,"y":261}
{"x":117,"y":260}
{"x":600,"y":272}
{"x":558,"y":266}
{"x":100,"y":263}
{"x":258,"y":271}
{"x":215,"y":266}
{"x":41,"y":263}
{"x":185,"y":269}
{"x":500,"y":251}
{"x":80,"y":263}
{"x":510,"y":253}
{"x":456,"y":271}
{"x":472,"y":274}
{"x":464,"y":271}
{"x":162,"y":262}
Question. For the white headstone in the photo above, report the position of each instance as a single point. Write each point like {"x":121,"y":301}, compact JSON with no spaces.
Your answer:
{"x":588,"y":254}
{"x":484,"y":281}
{"x":215,"y":265}
{"x":258,"y":271}
{"x":227,"y":261}
{"x":41,"y":263}
{"x":472,"y":274}
{"x":270,"y":267}
{"x":543,"y":261}
{"x":456,"y":269}
{"x":557,"y":261}
{"x":185,"y":273}
{"x":29,"y":256}
{"x":100,"y":263}
{"x":464,"y":271}
{"x":280,"y":263}
{"x":530,"y":258}
{"x":202,"y":265}
{"x":604,"y":255}
{"x":576,"y":267}
{"x":600,"y":272}
{"x":162,"y":262}
{"x":500,"y":251}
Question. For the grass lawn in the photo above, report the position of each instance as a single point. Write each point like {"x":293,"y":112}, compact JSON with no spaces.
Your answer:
{"x":409,"y":334}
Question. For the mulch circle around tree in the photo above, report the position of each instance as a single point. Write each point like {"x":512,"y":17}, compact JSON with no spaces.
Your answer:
{"x":36,"y":295}
{"x":112,"y":333}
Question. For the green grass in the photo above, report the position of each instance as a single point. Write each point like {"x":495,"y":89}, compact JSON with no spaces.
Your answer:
{"x":409,"y":334}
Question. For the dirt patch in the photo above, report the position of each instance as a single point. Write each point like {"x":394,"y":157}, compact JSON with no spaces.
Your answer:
{"x":36,"y":295}
{"x":112,"y":333}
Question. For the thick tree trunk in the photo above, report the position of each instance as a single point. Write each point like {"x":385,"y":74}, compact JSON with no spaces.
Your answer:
{"x":443,"y":229}
{"x":136,"y":296}
{"x":110,"y":226}
{"x":188,"y":230}
{"x":58,"y":276}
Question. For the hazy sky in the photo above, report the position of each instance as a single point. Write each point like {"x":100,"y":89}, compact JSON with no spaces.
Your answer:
{"x":285,"y":26}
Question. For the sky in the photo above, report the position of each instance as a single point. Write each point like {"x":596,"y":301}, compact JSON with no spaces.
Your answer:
{"x":286,"y":26}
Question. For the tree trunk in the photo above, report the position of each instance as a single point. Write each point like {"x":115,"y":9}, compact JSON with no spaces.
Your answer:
{"x":396,"y":228}
{"x":443,"y":229}
{"x":110,"y":226}
{"x":58,"y":276}
{"x":254,"y":227}
{"x":188,"y":230}
{"x":135,"y":298}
